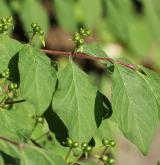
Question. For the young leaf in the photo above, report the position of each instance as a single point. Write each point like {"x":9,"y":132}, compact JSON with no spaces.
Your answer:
{"x":74,"y":102}
{"x":134,"y":107}
{"x":37,"y":77}
{"x":8,"y":48}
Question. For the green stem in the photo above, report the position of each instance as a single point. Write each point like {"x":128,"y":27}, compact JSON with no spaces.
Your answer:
{"x":32,"y":39}
{"x":103,"y":153}
{"x":68,"y":154}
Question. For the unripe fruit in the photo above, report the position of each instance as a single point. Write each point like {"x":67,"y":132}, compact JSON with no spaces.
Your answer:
{"x":37,"y":29}
{"x":105,"y":142}
{"x":84,"y":145}
{"x":88,"y":149}
{"x":9,"y":19}
{"x":5,"y":27}
{"x":111,"y":161}
{"x":40,"y":120}
{"x":75,"y":145}
{"x":34,"y":25}
{"x":104,"y":158}
{"x":41,"y":32}
{"x":4,"y":20}
{"x":69,"y":142}
{"x":13,"y":86}
{"x":81,"y":41}
{"x":112,"y":143}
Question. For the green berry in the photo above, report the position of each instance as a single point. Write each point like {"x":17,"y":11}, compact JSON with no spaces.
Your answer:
{"x":5,"y":74}
{"x":88,"y":149}
{"x":13,"y":86}
{"x":104,"y":158}
{"x":37,"y":29}
{"x":88,"y":32}
{"x":41,"y":32}
{"x":4,"y":20}
{"x":9,"y":19}
{"x":111,"y":161}
{"x":84,"y":145}
{"x":34,"y":25}
{"x":105,"y":142}
{"x":81,"y":41}
{"x":112,"y":143}
{"x":5,"y":27}
{"x":1,"y":25}
{"x":40,"y":120}
{"x":69,"y":142}
{"x":75,"y":145}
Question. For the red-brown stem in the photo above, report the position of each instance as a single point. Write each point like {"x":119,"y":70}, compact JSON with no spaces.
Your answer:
{"x":86,"y":56}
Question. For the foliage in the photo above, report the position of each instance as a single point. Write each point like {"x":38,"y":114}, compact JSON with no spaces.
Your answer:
{"x":52,"y":115}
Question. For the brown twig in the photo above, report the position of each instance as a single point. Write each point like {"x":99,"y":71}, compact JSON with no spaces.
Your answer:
{"x":86,"y":56}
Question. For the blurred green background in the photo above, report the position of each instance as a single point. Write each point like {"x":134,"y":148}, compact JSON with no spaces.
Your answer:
{"x":123,"y":28}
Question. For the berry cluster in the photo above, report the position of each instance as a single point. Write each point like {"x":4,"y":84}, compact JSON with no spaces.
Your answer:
{"x":5,"y":24}
{"x":37,"y":30}
{"x":109,"y":143}
{"x":8,"y":89}
{"x":80,"y":36}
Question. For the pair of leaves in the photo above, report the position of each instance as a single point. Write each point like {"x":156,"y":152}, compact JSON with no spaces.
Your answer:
{"x":135,"y":105}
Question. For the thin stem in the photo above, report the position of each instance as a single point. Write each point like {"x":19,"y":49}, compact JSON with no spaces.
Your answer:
{"x":86,"y":56}
{"x":103,"y":153}
{"x":32,"y":38}
{"x":12,"y":142}
{"x":14,"y":102}
{"x":68,"y":154}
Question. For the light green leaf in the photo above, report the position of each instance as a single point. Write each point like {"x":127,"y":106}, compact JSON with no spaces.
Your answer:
{"x":74,"y":102}
{"x":65,"y":14}
{"x":93,"y":50}
{"x":134,"y":107}
{"x":8,"y":48}
{"x":153,"y":80}
{"x":37,"y":77}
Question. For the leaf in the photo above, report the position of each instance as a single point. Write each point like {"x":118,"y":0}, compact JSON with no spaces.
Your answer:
{"x":93,"y":50}
{"x":8,"y":48}
{"x":153,"y":80}
{"x":28,"y":15}
{"x":74,"y":103}
{"x":90,"y":15}
{"x":36,"y":156}
{"x":4,"y":9}
{"x":37,"y":77}
{"x":134,"y":107}
{"x":17,"y":123}
{"x":65,"y":14}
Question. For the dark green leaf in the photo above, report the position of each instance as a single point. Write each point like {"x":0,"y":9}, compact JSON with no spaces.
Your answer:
{"x":38,"y":78}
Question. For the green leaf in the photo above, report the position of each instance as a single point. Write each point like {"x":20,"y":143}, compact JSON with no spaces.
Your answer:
{"x":17,"y":123}
{"x":93,"y":50}
{"x":37,"y":77}
{"x":90,"y":15}
{"x":37,"y":156}
{"x":4,"y":9}
{"x":8,"y":48}
{"x":65,"y":14}
{"x":134,"y":107}
{"x":74,"y":102}
{"x":28,"y":15}
{"x":153,"y":80}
